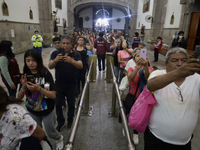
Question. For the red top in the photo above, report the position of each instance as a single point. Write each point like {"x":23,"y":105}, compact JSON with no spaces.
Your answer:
{"x":160,"y":46}
{"x":101,"y":46}
{"x":134,"y":84}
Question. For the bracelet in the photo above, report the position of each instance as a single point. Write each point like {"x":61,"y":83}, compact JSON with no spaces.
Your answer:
{"x":23,"y":91}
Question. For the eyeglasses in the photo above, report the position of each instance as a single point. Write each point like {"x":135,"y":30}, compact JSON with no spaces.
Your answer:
{"x":57,"y":43}
{"x":178,"y":88}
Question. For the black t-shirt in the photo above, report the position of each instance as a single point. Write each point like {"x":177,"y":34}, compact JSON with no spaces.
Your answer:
{"x":34,"y":98}
{"x":66,"y":73}
{"x":83,"y":54}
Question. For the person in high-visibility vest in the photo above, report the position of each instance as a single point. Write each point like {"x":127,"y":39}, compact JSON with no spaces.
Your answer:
{"x":37,"y":41}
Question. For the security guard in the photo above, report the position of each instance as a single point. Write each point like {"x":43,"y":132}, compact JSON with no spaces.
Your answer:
{"x":37,"y":41}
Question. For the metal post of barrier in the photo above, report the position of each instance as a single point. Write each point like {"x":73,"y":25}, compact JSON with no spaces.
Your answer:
{"x":93,"y":71}
{"x":86,"y":106}
{"x":113,"y":100}
{"x":85,"y":92}
{"x":109,"y":57}
{"x":123,"y":115}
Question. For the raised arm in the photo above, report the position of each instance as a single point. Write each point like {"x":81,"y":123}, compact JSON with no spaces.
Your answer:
{"x":187,"y":69}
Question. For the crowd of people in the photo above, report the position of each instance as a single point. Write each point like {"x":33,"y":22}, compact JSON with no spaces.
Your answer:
{"x":176,"y":88}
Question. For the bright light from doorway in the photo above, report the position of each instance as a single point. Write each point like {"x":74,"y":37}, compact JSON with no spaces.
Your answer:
{"x":102,"y":22}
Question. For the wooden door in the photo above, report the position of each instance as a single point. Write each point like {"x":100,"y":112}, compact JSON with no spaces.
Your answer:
{"x":194,"y":31}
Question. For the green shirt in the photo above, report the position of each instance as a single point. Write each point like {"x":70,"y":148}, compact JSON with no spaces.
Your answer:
{"x":4,"y":70}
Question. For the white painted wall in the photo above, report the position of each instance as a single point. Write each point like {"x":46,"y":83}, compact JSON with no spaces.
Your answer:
{"x":118,"y":14}
{"x":19,"y":11}
{"x":87,"y":12}
{"x":62,"y":13}
{"x":176,"y":7}
{"x":141,"y":16}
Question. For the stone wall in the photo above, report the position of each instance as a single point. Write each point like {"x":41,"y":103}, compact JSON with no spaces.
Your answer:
{"x":22,"y":40}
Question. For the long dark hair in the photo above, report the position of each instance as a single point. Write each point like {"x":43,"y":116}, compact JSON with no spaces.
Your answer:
{"x":5,"y":47}
{"x":5,"y":100}
{"x":38,"y":58}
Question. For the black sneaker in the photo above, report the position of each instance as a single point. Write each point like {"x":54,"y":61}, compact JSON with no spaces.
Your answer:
{"x":69,"y":124}
{"x":60,"y":127}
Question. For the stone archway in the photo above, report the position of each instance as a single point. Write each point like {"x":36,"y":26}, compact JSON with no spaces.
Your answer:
{"x":73,"y":4}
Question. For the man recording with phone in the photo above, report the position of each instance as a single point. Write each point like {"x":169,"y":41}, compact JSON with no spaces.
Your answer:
{"x":180,"y":41}
{"x":37,"y":41}
{"x":176,"y":90}
{"x":66,"y":61}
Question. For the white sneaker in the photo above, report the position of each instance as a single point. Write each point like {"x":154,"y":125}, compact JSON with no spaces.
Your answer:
{"x":123,"y":132}
{"x":59,"y":143}
{"x":135,"y":139}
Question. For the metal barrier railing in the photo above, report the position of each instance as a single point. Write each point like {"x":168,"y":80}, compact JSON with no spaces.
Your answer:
{"x":123,"y":115}
{"x":85,"y":95}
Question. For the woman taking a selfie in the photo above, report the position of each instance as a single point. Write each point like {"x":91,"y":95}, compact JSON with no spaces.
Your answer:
{"x":9,"y":68}
{"x":133,"y":78}
{"x":39,"y":88}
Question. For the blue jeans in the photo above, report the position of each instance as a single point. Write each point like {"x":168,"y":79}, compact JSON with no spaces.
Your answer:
{"x":39,"y":49}
{"x":60,"y":97}
{"x":12,"y":92}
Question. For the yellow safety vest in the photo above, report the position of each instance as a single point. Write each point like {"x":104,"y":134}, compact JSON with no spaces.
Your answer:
{"x":37,"y":42}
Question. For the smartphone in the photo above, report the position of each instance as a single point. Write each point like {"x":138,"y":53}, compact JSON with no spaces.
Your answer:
{"x":61,"y":51}
{"x":197,"y":52}
{"x":31,"y":78}
{"x":143,"y":53}
{"x":124,"y":43}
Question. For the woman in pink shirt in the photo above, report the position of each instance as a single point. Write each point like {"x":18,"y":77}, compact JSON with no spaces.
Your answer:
{"x":133,"y":78}
{"x":123,"y":57}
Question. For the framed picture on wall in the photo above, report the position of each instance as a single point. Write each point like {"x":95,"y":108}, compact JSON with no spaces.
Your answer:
{"x":146,"y":6}
{"x":58,"y":4}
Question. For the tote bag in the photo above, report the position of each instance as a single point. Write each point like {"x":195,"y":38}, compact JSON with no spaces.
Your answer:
{"x":141,"y":110}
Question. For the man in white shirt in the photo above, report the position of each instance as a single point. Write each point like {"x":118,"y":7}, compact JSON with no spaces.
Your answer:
{"x":176,"y":91}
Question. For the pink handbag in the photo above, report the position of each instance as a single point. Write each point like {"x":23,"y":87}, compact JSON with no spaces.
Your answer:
{"x":141,"y":110}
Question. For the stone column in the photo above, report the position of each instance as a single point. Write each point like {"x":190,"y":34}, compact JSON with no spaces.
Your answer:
{"x":159,"y":14}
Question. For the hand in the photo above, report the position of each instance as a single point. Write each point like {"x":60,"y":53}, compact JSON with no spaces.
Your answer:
{"x":180,"y":40}
{"x":13,"y":87}
{"x":68,"y":59}
{"x":37,"y":37}
{"x":58,"y":58}
{"x":143,"y":61}
{"x":33,"y":87}
{"x":24,"y":80}
{"x":189,"y":68}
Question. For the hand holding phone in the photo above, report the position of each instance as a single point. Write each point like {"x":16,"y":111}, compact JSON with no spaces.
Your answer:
{"x":124,"y":43}
{"x":61,"y":51}
{"x":143,"y":53}
{"x":31,"y":78}
{"x":197,"y":53}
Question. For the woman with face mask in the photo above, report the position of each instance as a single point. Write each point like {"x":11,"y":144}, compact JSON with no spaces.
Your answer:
{"x":9,"y":67}
{"x":180,"y":41}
